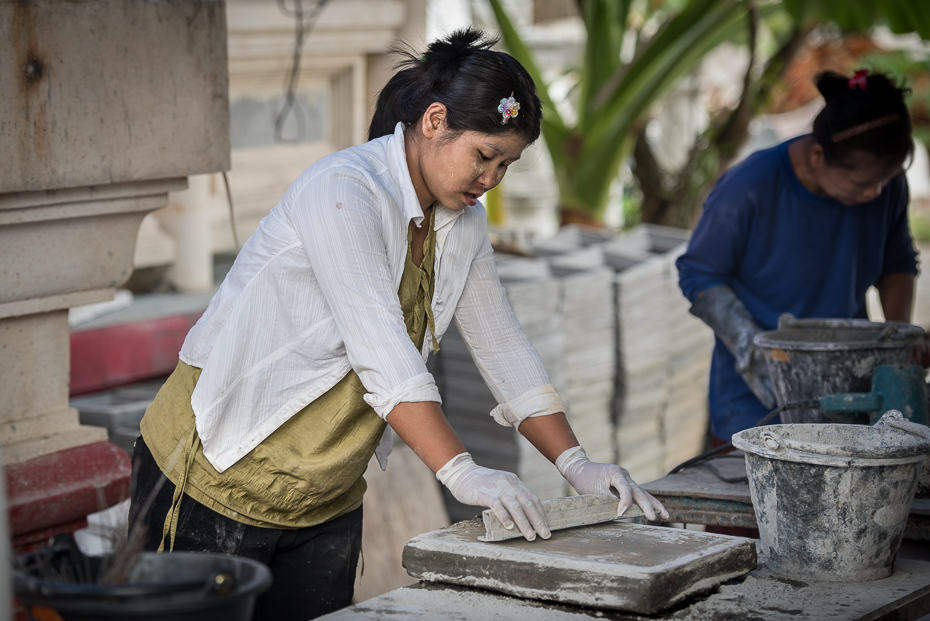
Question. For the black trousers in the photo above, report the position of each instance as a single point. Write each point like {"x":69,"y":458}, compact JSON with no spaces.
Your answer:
{"x":313,"y":569}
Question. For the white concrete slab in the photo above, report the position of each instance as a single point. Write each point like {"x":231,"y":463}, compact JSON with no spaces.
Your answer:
{"x":613,"y":566}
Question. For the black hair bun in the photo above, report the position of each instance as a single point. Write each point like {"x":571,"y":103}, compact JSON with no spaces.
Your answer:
{"x":853,"y":104}
{"x":831,"y":84}
{"x":459,"y":44}
{"x":877,"y":85}
{"x":444,"y":56}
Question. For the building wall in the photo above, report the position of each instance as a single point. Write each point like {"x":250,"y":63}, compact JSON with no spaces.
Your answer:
{"x":343,"y":64}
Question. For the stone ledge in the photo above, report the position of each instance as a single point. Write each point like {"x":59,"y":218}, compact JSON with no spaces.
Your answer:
{"x":59,"y":301}
{"x":49,"y":445}
{"x":66,"y":486}
{"x":91,"y":193}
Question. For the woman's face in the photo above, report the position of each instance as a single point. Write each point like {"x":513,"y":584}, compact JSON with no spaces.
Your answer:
{"x":860,"y":179}
{"x":456,"y":169}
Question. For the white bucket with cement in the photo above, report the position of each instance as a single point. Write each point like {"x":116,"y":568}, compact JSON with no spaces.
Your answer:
{"x":832,"y":501}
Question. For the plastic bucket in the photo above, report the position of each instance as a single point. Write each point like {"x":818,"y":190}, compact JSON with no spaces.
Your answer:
{"x":180,"y":586}
{"x":812,"y":358}
{"x":832,"y":501}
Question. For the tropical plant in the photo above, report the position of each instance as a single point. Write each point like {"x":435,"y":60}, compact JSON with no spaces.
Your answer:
{"x":613,"y":95}
{"x":613,"y":98}
{"x":901,"y":16}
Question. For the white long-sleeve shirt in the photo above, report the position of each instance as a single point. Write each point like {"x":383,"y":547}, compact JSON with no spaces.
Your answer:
{"x":313,"y":294}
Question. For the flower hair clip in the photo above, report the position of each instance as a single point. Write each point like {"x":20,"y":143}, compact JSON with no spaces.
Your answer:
{"x":509,"y":107}
{"x":859,"y":79}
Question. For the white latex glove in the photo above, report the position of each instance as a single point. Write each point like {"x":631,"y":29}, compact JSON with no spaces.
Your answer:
{"x":502,"y":492}
{"x":588,"y":477}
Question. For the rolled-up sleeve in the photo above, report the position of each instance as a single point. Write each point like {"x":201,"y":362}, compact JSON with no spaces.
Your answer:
{"x":539,"y":401}
{"x":507,"y":361}
{"x":339,"y":223}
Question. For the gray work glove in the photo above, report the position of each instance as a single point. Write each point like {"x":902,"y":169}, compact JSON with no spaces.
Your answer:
{"x":719,"y":308}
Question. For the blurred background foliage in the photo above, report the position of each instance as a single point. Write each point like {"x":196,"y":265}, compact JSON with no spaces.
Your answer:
{"x":914,"y":71}
{"x":636,"y":51}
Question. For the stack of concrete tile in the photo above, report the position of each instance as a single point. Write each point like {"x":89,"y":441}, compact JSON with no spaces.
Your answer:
{"x":464,"y":396}
{"x":663,"y":355}
{"x":659,"y":354}
{"x":534,"y":296}
{"x":684,"y":422}
{"x":607,"y":317}
{"x":571,"y":238}
{"x":576,"y":256}
{"x":590,"y":359}
{"x":642,"y":345}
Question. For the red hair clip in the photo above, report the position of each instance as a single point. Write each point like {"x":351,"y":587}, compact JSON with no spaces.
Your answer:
{"x":859,"y":79}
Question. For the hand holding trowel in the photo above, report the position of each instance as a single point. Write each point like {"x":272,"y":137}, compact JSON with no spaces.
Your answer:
{"x":598,"y":503}
{"x":562,"y":513}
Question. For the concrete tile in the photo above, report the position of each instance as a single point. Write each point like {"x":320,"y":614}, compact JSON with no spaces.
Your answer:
{"x":613,"y":566}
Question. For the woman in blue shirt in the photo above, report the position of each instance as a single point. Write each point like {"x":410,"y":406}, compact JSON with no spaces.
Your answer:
{"x":805,"y":227}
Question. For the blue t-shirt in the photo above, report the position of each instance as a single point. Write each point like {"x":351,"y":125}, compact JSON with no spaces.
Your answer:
{"x":783,"y":249}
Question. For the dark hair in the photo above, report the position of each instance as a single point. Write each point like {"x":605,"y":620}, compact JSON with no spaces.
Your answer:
{"x":863,"y":113}
{"x":463,"y":73}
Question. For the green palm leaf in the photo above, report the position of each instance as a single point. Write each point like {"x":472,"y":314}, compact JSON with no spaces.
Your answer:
{"x":614,"y":97}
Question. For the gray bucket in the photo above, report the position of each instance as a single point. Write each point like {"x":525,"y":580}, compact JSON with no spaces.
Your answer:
{"x":812,"y":358}
{"x":832,"y":501}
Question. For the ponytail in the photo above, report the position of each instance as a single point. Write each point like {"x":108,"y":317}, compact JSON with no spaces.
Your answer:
{"x":470,"y":79}
{"x":865,"y":112}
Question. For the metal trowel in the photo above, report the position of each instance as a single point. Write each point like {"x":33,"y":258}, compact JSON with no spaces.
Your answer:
{"x":562,"y":513}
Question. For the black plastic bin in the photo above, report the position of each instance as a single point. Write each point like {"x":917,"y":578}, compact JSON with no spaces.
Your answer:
{"x":180,"y":586}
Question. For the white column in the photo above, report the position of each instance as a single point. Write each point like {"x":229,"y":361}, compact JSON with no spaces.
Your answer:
{"x":187,"y":218}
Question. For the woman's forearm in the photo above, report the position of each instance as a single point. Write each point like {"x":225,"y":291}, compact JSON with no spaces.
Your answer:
{"x":896,"y":292}
{"x":551,"y":434}
{"x":424,"y":428}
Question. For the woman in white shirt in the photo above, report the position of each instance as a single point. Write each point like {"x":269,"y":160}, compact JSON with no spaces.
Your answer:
{"x":317,"y":340}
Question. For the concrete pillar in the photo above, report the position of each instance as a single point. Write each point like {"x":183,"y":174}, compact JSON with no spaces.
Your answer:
{"x":60,"y":248}
{"x":188,"y":219}
{"x":97,"y":130}
{"x":34,"y":415}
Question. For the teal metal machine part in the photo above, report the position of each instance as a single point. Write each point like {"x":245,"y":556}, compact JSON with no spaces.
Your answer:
{"x":894,"y":387}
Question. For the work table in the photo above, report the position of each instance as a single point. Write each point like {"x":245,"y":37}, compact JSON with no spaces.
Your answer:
{"x":712,"y":493}
{"x":760,"y":595}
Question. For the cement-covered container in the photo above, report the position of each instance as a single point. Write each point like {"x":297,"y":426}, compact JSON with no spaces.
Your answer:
{"x":832,"y":501}
{"x":811,"y":358}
